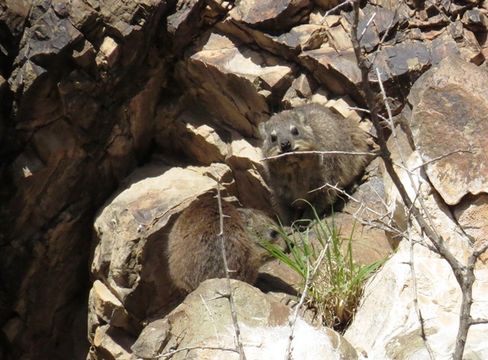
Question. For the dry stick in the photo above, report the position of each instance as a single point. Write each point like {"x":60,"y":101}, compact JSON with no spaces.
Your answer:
{"x":414,"y":290}
{"x":211,"y":317}
{"x":437,"y":158}
{"x":400,"y":152}
{"x":367,"y":25}
{"x":309,"y":277}
{"x":464,"y":274}
{"x":242,"y":355}
{"x":189,"y":348}
{"x":293,"y":321}
{"x":337,"y":7}
{"x":328,"y":152}
{"x":382,"y":224}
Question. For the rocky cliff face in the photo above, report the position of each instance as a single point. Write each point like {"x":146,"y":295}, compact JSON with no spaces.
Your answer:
{"x":80,"y":84}
{"x":92,"y":89}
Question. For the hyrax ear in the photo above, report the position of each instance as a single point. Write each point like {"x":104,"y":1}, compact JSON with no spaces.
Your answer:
{"x":300,"y":114}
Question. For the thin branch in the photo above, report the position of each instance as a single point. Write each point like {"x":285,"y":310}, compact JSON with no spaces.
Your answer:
{"x":478,"y":321}
{"x":190,"y":348}
{"x":440,"y":157}
{"x":211,"y":317}
{"x":293,"y":321}
{"x":383,"y":225}
{"x":367,"y":111}
{"x":309,"y":277}
{"x":229,"y":296}
{"x":415,"y":298}
{"x":477,"y":253}
{"x":331,"y":152}
{"x":337,"y":7}
{"x":383,"y":38}
{"x":367,"y":25}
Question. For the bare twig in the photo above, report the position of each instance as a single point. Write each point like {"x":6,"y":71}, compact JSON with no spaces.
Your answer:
{"x":366,"y":111}
{"x":440,"y":157}
{"x":329,"y":152}
{"x":211,"y":317}
{"x":189,"y":348}
{"x":367,"y":25}
{"x":377,"y":223}
{"x":229,"y":296}
{"x":293,"y":321}
{"x":309,"y":277}
{"x":415,"y":299}
{"x":478,"y":321}
{"x":337,"y":7}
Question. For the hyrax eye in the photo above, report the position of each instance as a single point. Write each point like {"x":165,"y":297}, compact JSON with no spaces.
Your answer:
{"x":273,"y":234}
{"x":294,"y":130}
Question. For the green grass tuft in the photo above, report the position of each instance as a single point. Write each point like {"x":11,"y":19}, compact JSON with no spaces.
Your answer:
{"x":337,"y":285}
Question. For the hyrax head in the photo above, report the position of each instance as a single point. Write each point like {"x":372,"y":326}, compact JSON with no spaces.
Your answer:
{"x":285,"y":132}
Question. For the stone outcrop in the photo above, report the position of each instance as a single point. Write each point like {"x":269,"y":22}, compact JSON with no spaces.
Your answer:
{"x":73,"y":124}
{"x":92,"y":90}
{"x":449,"y":104}
{"x":205,"y":314}
{"x":416,"y":278}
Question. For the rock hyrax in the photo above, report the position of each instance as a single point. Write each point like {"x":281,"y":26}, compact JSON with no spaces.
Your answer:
{"x":194,"y":252}
{"x":310,"y":127}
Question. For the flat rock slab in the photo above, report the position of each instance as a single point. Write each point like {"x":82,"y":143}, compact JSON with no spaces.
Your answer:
{"x":271,"y":15}
{"x":450,"y":103}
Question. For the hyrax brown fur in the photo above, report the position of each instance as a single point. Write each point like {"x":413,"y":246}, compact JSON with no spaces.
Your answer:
{"x":194,"y":249}
{"x":310,"y":127}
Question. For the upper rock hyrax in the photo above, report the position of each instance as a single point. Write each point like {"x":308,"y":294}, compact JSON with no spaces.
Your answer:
{"x":310,"y":127}
{"x":194,"y":249}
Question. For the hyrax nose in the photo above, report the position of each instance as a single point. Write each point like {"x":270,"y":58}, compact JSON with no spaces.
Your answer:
{"x":285,"y":145}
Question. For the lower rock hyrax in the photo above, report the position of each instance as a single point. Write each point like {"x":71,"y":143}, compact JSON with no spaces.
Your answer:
{"x":310,"y":127}
{"x":194,"y":249}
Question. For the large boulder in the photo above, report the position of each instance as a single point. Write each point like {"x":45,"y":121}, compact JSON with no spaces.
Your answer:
{"x":201,"y":328}
{"x":449,"y":103}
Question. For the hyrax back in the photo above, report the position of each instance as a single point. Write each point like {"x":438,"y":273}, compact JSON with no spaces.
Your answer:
{"x":310,"y":127}
{"x":194,"y":250}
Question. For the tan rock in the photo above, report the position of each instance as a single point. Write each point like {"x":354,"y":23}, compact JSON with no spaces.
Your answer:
{"x":321,"y":97}
{"x":472,"y":215}
{"x":245,"y":161}
{"x":152,"y":339}
{"x":131,"y":232}
{"x":103,"y":303}
{"x":444,"y":108}
{"x":193,"y":134}
{"x":338,"y":71}
{"x":360,"y":223}
{"x":395,"y":332}
{"x":339,"y":39}
{"x":111,"y":344}
{"x":300,"y":90}
{"x":262,"y":320}
{"x":227,"y":78}
{"x":109,"y":52}
{"x":343,"y":106}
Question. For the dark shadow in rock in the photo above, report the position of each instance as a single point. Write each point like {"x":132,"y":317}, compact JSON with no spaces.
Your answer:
{"x":268,"y":282}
